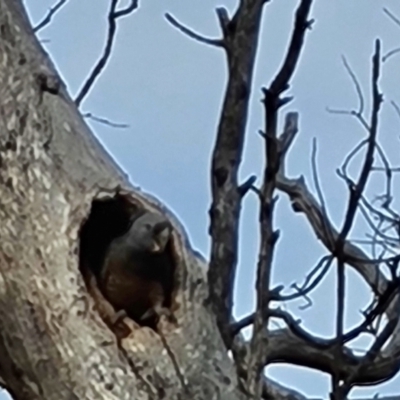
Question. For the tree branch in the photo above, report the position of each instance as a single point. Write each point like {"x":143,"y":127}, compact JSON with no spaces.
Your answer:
{"x":356,"y":192}
{"x":268,"y":237}
{"x":241,"y":46}
{"x":48,"y":17}
{"x":190,"y":33}
{"x":105,"y":121}
{"x":113,"y":15}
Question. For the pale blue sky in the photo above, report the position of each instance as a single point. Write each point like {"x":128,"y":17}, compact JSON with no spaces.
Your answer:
{"x":169,"y":89}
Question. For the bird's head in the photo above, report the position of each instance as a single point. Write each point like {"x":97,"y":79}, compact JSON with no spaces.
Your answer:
{"x":150,"y":233}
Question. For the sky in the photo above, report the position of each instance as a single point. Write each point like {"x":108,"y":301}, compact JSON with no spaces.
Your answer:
{"x":169,"y":90}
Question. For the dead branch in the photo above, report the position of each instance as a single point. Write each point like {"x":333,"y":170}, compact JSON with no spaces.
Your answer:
{"x":356,"y":191}
{"x":113,"y":15}
{"x":268,"y":236}
{"x":241,"y":47}
{"x":317,"y":185}
{"x":315,"y":277}
{"x":303,"y":201}
{"x":390,"y":54}
{"x":190,"y":33}
{"x":294,"y":345}
{"x":48,"y":17}
{"x":285,"y":346}
{"x":356,"y":85}
{"x":354,"y":113}
{"x":105,"y":121}
{"x":391,"y":16}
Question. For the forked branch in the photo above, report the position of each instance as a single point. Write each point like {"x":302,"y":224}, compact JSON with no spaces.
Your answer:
{"x":241,"y":46}
{"x":113,"y":16}
{"x":49,"y":16}
{"x":268,"y":236}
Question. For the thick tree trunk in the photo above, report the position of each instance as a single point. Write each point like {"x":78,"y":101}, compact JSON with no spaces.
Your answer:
{"x":53,"y":342}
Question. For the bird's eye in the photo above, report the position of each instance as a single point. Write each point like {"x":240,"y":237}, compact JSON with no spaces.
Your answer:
{"x":148,"y":227}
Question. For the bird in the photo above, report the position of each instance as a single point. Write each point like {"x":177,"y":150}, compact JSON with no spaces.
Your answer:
{"x":136,"y":276}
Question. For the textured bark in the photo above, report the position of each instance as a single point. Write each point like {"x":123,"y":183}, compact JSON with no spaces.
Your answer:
{"x":53,"y":343}
{"x":55,"y":339}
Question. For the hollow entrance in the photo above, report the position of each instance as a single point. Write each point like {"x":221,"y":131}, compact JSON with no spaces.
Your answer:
{"x":111,"y":219}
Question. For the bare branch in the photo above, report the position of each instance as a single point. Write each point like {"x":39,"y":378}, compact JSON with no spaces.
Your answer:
{"x":303,"y":201}
{"x":376,"y":397}
{"x":48,"y":17}
{"x":286,"y":138}
{"x":352,"y":113}
{"x":286,"y":347}
{"x":392,"y":16}
{"x":388,"y":174}
{"x":268,"y":236}
{"x":274,"y":390}
{"x":368,"y":359}
{"x":193,"y":35}
{"x":281,"y":81}
{"x":356,"y":85}
{"x":351,"y":155}
{"x":321,"y":269}
{"x":241,"y":46}
{"x":311,"y":352}
{"x":390,"y":54}
{"x":293,"y":345}
{"x":317,"y":185}
{"x":356,"y":193}
{"x":113,"y":15}
{"x":359,"y":113}
{"x":396,"y":107}
{"x":127,"y":10}
{"x":293,"y":324}
{"x":105,"y":121}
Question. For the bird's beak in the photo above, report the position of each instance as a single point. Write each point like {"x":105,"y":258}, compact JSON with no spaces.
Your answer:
{"x":161,"y":238}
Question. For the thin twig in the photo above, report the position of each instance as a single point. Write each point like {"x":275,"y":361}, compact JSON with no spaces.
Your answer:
{"x":389,"y":176}
{"x":359,"y":113}
{"x":371,"y":355}
{"x":390,"y":54}
{"x":351,"y":155}
{"x":113,"y":15}
{"x":356,"y":192}
{"x":321,"y":268}
{"x":127,"y":10}
{"x":391,"y":16}
{"x":318,"y":188}
{"x":105,"y":121}
{"x":369,"y":157}
{"x":352,"y":113}
{"x":48,"y":17}
{"x":396,"y":107}
{"x":356,"y":85}
{"x":192,"y":34}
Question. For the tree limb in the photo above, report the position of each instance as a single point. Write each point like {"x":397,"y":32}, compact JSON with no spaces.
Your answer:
{"x":54,"y":343}
{"x":241,"y":45}
{"x":113,"y":15}
{"x":268,"y":237}
{"x":47,"y":19}
{"x":190,"y":33}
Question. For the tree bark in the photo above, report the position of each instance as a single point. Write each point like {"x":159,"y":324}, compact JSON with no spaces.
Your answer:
{"x":53,"y":342}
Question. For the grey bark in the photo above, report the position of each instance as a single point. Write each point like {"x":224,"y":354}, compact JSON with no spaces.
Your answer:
{"x":53,"y":344}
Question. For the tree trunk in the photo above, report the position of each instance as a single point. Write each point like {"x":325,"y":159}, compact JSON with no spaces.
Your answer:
{"x":54,"y":344}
